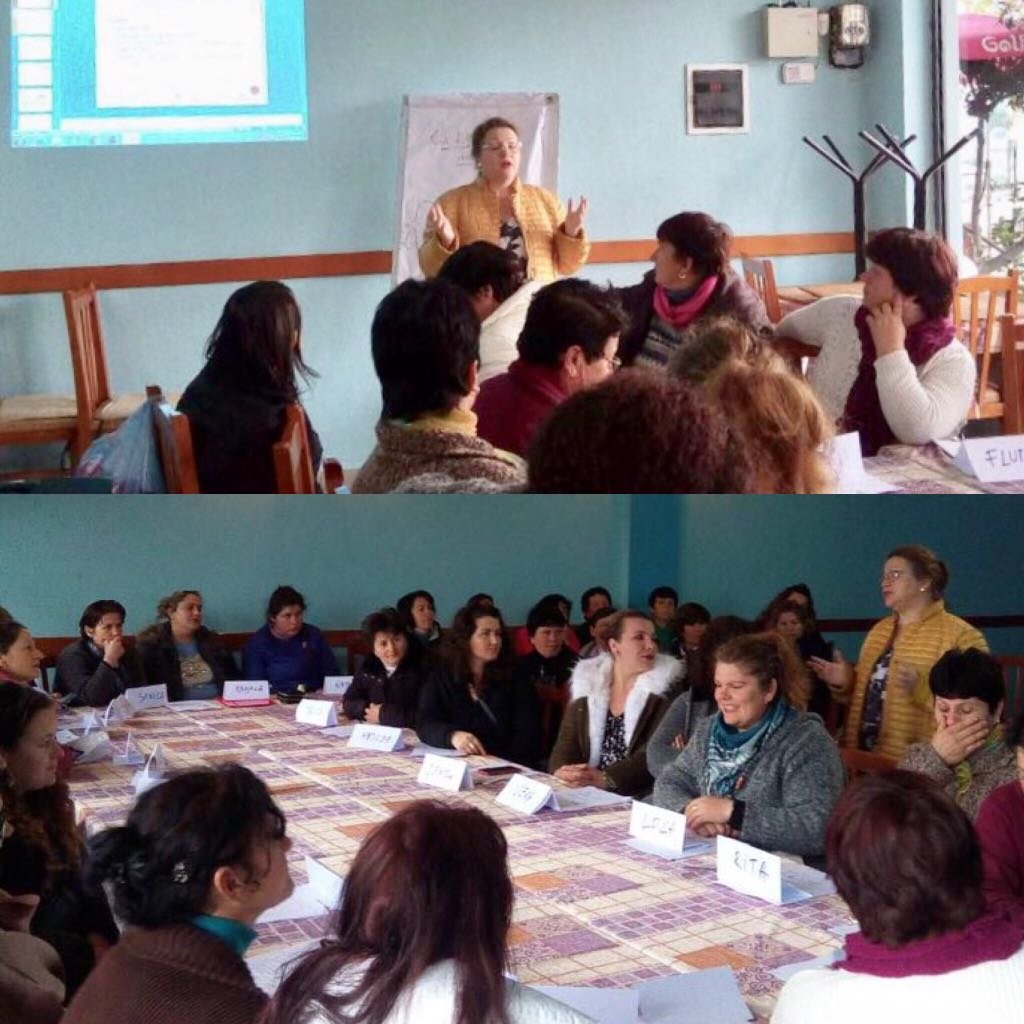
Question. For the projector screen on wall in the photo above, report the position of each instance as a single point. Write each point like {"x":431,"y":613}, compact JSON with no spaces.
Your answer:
{"x":138,"y":72}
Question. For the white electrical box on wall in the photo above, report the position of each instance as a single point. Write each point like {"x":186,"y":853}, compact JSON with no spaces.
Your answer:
{"x":791,"y":31}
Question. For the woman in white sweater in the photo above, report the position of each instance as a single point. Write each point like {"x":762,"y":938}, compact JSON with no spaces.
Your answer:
{"x":906,"y":860}
{"x":892,"y":369}
{"x":421,"y":933}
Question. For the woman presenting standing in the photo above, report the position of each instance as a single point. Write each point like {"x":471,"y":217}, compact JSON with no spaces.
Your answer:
{"x":499,"y":208}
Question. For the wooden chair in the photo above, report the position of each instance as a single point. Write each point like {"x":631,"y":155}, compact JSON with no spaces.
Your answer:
{"x":979,"y":304}
{"x":98,"y":411}
{"x":293,"y":461}
{"x":38,"y":419}
{"x":174,"y":445}
{"x":1013,"y":673}
{"x":760,"y":275}
{"x":862,"y":762}
{"x":1011,"y":339}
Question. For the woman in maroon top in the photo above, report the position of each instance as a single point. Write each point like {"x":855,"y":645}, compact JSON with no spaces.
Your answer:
{"x":1000,"y":827}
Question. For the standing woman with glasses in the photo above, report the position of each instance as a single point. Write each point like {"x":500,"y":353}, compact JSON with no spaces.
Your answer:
{"x":497,"y":207}
{"x":887,"y":691}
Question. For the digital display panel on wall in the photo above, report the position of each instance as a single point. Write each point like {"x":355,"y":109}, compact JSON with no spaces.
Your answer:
{"x":139,"y":72}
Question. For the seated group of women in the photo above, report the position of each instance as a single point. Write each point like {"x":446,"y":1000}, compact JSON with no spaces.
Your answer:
{"x":495,"y":375}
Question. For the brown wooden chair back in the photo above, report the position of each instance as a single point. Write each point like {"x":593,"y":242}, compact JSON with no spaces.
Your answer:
{"x":979,"y":304}
{"x":760,"y":275}
{"x":1011,"y":338}
{"x":862,"y":762}
{"x":174,"y":445}
{"x":293,"y":462}
{"x":1013,"y":674}
{"x":88,"y":360}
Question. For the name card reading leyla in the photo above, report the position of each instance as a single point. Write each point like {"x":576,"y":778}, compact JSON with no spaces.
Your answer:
{"x":749,"y":870}
{"x":321,"y":713}
{"x":993,"y":460}
{"x":657,"y":830}
{"x":239,"y":691}
{"x":376,"y":737}
{"x":527,"y":795}
{"x":445,"y":773}
{"x":142,"y":697}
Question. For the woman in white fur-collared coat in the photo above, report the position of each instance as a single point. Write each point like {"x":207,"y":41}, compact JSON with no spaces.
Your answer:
{"x":617,"y":701}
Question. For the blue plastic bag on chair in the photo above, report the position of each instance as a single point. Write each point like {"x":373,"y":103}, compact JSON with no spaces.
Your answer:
{"x":128,"y":456}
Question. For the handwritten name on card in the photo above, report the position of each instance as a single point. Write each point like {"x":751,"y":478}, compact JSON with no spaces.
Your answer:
{"x":239,"y":690}
{"x":526,"y":795}
{"x":376,"y":737}
{"x":337,"y":686}
{"x":749,"y":870}
{"x":993,"y":460}
{"x":142,"y":697}
{"x":661,"y":830}
{"x":321,"y":713}
{"x":445,"y":773}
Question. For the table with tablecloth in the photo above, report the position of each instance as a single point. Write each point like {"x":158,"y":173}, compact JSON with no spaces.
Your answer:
{"x":589,"y":909}
{"x":928,"y":469}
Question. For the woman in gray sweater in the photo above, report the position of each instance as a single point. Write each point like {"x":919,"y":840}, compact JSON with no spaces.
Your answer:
{"x":759,"y":769}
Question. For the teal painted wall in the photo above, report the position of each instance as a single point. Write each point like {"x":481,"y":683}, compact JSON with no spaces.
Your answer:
{"x":618,"y":67}
{"x":733,"y":554}
{"x":347,"y":555}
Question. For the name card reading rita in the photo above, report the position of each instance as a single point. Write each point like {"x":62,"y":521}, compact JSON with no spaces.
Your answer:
{"x":993,"y":460}
{"x":321,"y":713}
{"x":246,"y":693}
{"x":749,"y":870}
{"x":656,"y":830}
{"x":446,"y":773}
{"x":337,"y":686}
{"x":142,"y":697}
{"x":526,"y":795}
{"x":385,"y":738}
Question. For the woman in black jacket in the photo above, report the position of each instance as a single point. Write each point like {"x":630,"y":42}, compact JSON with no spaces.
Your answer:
{"x":386,"y":690}
{"x":471,"y":699}
{"x":98,"y":666}
{"x":180,"y":651}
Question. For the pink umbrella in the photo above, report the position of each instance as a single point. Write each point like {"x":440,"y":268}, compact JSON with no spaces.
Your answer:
{"x":985,"y":37}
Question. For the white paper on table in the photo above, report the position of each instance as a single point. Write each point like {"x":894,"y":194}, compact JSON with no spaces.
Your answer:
{"x":317,"y":896}
{"x":242,"y":690}
{"x":604,"y":1005}
{"x":91,"y":747}
{"x":992,"y":460}
{"x":694,"y":998}
{"x":268,"y":969}
{"x":807,"y":879}
{"x":844,"y":454}
{"x":143,"y":697}
{"x":65,"y":737}
{"x":951,"y":446}
{"x":526,"y":795}
{"x":423,"y":749}
{"x":129,"y":754}
{"x":120,"y":709}
{"x":195,"y":705}
{"x":588,"y":796}
{"x":316,"y":712}
{"x":337,"y":686}
{"x":843,"y":930}
{"x":382,"y":738}
{"x":445,"y":773}
{"x":755,"y":872}
{"x":787,"y":971}
{"x":657,"y":830}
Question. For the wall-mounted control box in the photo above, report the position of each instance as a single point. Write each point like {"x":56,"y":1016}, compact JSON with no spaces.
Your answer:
{"x":791,"y":31}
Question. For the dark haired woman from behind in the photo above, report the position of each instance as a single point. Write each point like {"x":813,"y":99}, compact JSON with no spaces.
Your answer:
{"x":472,"y":699}
{"x":236,"y":405}
{"x":386,"y":689}
{"x":199,"y":859}
{"x":99,"y":665}
{"x":890,"y":703}
{"x":289,"y":653}
{"x":691,"y":281}
{"x":906,"y":861}
{"x":43,"y":855}
{"x":421,"y":932}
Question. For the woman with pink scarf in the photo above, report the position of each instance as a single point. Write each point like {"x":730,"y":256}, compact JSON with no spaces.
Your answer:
{"x":691,"y":281}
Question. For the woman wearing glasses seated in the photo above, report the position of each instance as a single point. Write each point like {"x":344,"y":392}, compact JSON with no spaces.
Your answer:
{"x":891,"y":704}
{"x":499,"y":208}
{"x":569,"y":343}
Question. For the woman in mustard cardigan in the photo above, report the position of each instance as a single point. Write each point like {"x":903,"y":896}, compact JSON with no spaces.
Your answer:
{"x":888,"y":693}
{"x":499,"y":208}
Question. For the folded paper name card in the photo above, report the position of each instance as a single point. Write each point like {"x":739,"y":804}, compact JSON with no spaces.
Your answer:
{"x":749,"y":870}
{"x":385,"y":738}
{"x":337,"y":686}
{"x":656,"y":830}
{"x":526,"y":795}
{"x":153,"y":773}
{"x":246,"y":693}
{"x":993,"y":460}
{"x":120,"y":709}
{"x":142,"y":697}
{"x":129,"y":754}
{"x":321,"y":713}
{"x":446,"y":773}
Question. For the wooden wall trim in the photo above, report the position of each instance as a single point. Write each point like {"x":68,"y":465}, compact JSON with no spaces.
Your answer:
{"x":345,"y":264}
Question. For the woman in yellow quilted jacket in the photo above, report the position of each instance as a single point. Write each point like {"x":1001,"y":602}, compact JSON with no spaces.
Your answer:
{"x":497,"y":207}
{"x":888,"y":693}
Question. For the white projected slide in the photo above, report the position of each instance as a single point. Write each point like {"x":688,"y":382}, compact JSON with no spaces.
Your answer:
{"x":181,"y":53}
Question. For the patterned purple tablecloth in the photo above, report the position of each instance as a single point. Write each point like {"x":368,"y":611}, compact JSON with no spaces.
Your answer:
{"x":590,"y":910}
{"x":927,"y":469}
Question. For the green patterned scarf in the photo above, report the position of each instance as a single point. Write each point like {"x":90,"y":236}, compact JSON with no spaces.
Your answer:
{"x":963,"y":773}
